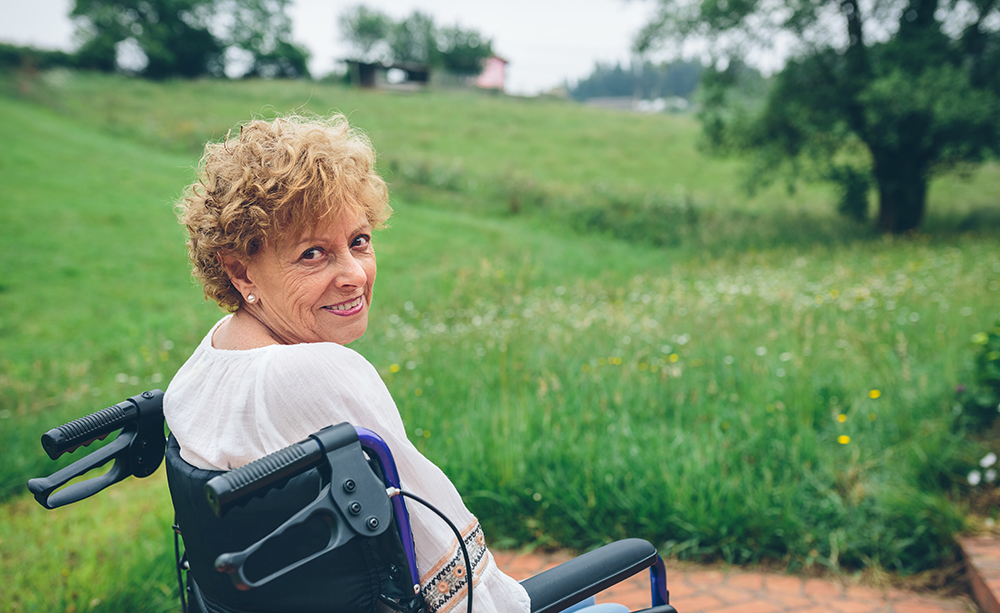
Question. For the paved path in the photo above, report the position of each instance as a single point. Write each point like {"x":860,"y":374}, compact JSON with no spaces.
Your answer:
{"x":982,"y":557}
{"x":696,"y":590}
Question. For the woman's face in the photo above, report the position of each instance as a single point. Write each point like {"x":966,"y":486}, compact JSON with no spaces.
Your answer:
{"x":316,"y":287}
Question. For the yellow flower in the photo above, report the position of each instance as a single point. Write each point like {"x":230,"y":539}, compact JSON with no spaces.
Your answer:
{"x":874,"y":394}
{"x":394,"y":368}
{"x":842,"y":418}
{"x":872,"y":417}
{"x":843,"y":439}
{"x":585,"y":367}
{"x":674,"y":357}
{"x":418,"y":392}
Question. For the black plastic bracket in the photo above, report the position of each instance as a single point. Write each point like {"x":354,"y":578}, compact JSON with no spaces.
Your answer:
{"x":352,"y":502}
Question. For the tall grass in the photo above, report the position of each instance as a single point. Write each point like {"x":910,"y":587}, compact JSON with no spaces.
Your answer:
{"x":781,"y":393}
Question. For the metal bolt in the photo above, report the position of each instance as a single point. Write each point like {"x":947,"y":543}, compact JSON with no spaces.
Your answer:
{"x":372,"y":523}
{"x":354,"y":508}
{"x":147,"y":395}
{"x":349,"y":486}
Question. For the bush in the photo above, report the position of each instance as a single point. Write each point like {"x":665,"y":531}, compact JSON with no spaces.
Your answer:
{"x":981,"y":398}
{"x":15,"y":56}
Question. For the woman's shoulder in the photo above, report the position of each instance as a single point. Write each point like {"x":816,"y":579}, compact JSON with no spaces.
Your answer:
{"x":325,"y":369}
{"x":317,"y":357}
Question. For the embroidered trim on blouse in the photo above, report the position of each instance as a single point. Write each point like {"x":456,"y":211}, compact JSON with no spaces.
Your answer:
{"x":447,"y":586}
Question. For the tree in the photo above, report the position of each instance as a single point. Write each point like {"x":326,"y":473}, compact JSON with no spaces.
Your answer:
{"x":463,"y":52}
{"x":376,"y":37}
{"x":189,"y":38}
{"x":879,"y":92}
{"x":173,"y":34}
{"x":366,"y":30}
{"x":262,"y":30}
{"x":411,"y":40}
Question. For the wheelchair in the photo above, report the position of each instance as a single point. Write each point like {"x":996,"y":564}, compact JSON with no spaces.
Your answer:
{"x":321,"y":525}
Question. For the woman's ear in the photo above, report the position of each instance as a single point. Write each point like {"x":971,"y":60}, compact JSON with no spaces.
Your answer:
{"x":237,"y":272}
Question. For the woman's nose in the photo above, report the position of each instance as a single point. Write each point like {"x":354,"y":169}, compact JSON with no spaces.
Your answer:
{"x":350,"y":272}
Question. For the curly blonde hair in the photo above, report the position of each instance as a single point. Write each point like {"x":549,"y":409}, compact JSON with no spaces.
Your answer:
{"x":275,"y":178}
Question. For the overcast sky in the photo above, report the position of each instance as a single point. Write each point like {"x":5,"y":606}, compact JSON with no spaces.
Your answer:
{"x":546,"y":41}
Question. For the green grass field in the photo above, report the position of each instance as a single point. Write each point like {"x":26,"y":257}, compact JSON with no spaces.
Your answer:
{"x":641,"y":351}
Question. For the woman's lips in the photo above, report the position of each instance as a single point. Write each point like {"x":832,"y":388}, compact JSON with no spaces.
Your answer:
{"x":346,"y":309}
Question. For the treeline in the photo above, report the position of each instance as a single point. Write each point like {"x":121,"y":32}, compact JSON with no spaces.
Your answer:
{"x":378,"y":38}
{"x":644,"y":81}
{"x":159,"y":39}
{"x":15,"y":56}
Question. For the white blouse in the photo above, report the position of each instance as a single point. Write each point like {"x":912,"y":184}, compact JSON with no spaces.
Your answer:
{"x":228,"y":408}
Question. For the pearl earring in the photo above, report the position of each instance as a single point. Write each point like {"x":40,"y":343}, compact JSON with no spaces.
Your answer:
{"x":251,"y":298}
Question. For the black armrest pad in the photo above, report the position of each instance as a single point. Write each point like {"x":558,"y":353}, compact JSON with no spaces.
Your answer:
{"x":570,"y":582}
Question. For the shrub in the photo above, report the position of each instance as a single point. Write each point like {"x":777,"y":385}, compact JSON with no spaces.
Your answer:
{"x":981,"y":398}
{"x":15,"y":56}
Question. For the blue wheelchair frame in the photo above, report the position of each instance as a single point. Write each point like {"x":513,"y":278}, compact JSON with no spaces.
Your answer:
{"x":356,"y":501}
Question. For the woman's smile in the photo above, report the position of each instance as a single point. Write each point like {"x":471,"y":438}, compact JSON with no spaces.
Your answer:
{"x":346,"y":309}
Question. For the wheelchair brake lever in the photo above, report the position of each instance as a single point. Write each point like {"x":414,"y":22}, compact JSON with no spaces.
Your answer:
{"x":138,"y":449}
{"x":353,"y":502}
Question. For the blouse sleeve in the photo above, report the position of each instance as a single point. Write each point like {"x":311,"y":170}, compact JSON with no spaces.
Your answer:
{"x":301,"y":391}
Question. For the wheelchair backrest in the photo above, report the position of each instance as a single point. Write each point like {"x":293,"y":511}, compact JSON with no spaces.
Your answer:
{"x":352,"y":577}
{"x":348,"y":579}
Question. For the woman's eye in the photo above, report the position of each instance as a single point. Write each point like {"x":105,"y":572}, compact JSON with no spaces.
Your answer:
{"x":362,"y":241}
{"x":312,"y":254}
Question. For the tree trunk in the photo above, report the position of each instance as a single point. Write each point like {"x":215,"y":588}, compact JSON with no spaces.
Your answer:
{"x":902,"y":190}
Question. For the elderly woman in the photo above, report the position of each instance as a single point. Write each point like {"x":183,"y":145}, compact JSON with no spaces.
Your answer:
{"x":280,"y":234}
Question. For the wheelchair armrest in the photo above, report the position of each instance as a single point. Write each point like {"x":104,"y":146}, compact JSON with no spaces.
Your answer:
{"x":584,"y":576}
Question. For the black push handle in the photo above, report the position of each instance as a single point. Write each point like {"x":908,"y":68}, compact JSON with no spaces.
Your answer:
{"x":138,"y":449}
{"x":239,"y":484}
{"x":86,"y":430}
{"x":256,"y":478}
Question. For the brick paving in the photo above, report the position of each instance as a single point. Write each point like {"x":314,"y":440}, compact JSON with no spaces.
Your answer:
{"x":982,"y":558}
{"x":698,"y":590}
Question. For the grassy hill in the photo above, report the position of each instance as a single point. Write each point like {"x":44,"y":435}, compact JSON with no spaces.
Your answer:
{"x":756,"y":386}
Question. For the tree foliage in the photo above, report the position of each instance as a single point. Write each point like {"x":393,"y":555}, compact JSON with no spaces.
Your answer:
{"x":880,"y":93}
{"x":189,"y":38}
{"x":413,"y":39}
{"x":376,"y":37}
{"x":366,"y":31}
{"x":644,"y":80}
{"x":30,"y":58}
{"x":262,"y":30}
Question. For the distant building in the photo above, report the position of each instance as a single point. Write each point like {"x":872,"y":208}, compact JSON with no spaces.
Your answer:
{"x":401,"y":75}
{"x":494,"y":73}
